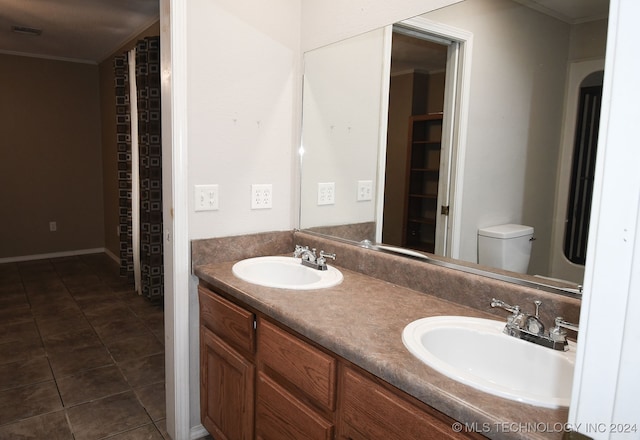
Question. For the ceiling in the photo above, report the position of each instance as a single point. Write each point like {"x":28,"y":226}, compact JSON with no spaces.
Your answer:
{"x":76,"y":30}
{"x":413,"y":54}
{"x":571,"y":11}
{"x":91,"y":30}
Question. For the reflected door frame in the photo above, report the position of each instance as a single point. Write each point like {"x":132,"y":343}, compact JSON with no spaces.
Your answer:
{"x":456,"y":109}
{"x":560,"y":266}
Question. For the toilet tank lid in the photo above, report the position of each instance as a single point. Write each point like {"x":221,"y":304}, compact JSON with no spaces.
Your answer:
{"x":506,"y":231}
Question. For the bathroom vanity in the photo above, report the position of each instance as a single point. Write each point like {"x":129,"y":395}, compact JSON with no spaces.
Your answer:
{"x":330,"y":363}
{"x":260,"y":379}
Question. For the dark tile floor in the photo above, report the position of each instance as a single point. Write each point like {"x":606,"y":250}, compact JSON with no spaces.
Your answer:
{"x":81,"y":355}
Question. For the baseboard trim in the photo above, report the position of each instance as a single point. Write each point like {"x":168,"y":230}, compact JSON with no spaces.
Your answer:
{"x":111,"y":255}
{"x":55,"y":255}
{"x":198,"y":432}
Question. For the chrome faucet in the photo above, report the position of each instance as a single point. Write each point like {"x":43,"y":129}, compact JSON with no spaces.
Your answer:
{"x":304,"y":253}
{"x":558,"y":332}
{"x":309,"y":258}
{"x":530,"y":328}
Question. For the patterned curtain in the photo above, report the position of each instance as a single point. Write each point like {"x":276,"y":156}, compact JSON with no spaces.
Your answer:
{"x":150,"y":144}
{"x":150,"y":166}
{"x":123,"y":129}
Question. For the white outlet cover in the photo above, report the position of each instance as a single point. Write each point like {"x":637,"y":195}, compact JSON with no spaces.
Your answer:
{"x":326,"y":193}
{"x":262,"y":196}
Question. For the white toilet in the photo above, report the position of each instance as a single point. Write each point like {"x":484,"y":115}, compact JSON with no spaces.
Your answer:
{"x":505,"y":247}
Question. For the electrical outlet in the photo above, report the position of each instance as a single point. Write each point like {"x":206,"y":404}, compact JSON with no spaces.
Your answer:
{"x":261,"y":196}
{"x":326,"y":193}
{"x":365,"y":190}
{"x":53,"y":226}
{"x":206,"y":198}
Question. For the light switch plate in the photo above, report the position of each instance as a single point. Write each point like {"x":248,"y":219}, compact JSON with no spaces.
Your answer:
{"x":206,"y":197}
{"x":365,"y":190}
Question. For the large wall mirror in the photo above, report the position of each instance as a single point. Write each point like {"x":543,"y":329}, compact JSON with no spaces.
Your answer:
{"x":493,"y":91}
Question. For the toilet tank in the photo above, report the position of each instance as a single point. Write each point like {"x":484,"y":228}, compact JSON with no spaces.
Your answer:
{"x":505,"y":247}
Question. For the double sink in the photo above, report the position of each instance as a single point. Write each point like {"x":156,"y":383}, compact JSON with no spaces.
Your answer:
{"x":473,"y":351}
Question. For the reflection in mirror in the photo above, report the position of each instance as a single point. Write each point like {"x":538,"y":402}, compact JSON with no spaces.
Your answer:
{"x":414,"y":184}
{"x":340,"y":135}
{"x":512,"y":140}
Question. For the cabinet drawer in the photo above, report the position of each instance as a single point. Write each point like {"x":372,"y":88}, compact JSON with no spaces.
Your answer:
{"x":227,"y":320}
{"x":369,"y":411}
{"x":279,"y":415}
{"x":307,"y":368}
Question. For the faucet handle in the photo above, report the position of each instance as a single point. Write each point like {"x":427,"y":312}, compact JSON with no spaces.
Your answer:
{"x":309,"y":255}
{"x":537,"y":303}
{"x":322,"y":259}
{"x":326,"y":255}
{"x":560,"y":322}
{"x":558,"y":333}
{"x":299,"y":250}
{"x":532,"y":323}
{"x":503,"y":305}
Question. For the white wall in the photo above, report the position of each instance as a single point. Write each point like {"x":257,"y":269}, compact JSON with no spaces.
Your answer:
{"x":243,"y":99}
{"x":514,"y":121}
{"x":343,"y":86}
{"x":328,"y":21}
{"x":243,"y":81}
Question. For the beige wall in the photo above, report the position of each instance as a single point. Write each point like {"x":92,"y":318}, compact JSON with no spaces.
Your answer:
{"x":58,"y":155}
{"x":588,"y":40}
{"x":109,"y":148}
{"x":50,"y":159}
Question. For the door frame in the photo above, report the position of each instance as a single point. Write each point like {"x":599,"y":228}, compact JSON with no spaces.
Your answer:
{"x":560,"y":266}
{"x":173,"y":35}
{"x":454,"y":130}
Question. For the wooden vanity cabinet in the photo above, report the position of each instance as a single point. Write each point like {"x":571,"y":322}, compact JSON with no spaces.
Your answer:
{"x":296,"y":387}
{"x":227,"y":370}
{"x":372,"y":409}
{"x":260,"y":380}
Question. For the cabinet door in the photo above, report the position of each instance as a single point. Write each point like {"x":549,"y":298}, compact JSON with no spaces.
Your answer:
{"x":226,"y":389}
{"x":371,"y":411}
{"x":280,"y":416}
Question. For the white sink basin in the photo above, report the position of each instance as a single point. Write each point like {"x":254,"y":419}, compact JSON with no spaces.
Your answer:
{"x":475,"y":352}
{"x":285,"y":273}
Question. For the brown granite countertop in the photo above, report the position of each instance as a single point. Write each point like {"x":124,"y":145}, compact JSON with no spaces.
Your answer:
{"x":362,"y":320}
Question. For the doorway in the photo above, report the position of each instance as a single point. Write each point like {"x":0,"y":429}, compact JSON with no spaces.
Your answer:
{"x":563,"y":266}
{"x":418,"y":150}
{"x":583,"y":168}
